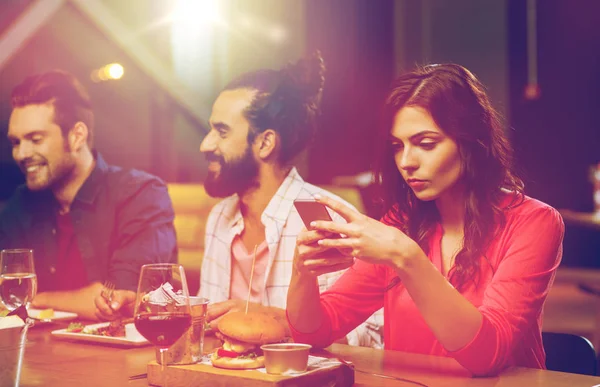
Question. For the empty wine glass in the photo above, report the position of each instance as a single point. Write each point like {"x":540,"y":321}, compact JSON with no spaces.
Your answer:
{"x":162,"y":307}
{"x":18,"y":281}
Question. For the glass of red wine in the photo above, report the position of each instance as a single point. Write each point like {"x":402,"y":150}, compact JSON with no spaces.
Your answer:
{"x":162,"y":307}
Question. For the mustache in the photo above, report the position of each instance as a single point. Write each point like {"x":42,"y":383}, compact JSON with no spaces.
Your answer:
{"x":212,"y":157}
{"x":31,"y":160}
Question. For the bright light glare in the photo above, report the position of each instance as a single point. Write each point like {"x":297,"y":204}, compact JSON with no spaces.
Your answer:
{"x":196,"y":12}
{"x":114,"y":71}
{"x":246,"y":22}
{"x":194,"y":27}
{"x":277,"y":34}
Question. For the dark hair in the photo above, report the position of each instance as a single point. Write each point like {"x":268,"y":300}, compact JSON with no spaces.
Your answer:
{"x":458,"y":104}
{"x":68,"y":96}
{"x":287,"y":101}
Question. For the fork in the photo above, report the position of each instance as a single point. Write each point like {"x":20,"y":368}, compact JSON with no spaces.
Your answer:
{"x":107,"y":290}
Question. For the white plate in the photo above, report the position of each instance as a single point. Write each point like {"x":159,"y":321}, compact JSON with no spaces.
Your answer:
{"x":58,"y":315}
{"x":132,"y":337}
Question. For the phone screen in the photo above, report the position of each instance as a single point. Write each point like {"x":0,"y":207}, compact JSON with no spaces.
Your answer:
{"x":309,"y":211}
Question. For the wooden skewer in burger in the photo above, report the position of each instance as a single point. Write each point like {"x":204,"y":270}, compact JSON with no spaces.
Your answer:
{"x":243,"y":333}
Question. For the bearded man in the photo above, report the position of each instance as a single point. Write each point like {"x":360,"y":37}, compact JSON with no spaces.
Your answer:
{"x":86,"y":221}
{"x":259,"y":123}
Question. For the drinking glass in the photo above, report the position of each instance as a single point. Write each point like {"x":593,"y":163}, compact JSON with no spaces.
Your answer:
{"x":162,"y":307}
{"x":18,"y":281}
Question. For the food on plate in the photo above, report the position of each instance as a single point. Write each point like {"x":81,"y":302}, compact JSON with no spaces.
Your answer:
{"x":75,"y":327}
{"x":242,"y":336}
{"x":46,"y":314}
{"x":114,"y":329}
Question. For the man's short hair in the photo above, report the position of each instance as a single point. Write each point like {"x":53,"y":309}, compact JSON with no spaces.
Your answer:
{"x":61,"y":89}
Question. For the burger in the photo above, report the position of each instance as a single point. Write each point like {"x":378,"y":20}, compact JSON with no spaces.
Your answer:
{"x":242,"y":335}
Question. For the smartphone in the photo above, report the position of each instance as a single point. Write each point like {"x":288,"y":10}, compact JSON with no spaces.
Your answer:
{"x":309,"y":211}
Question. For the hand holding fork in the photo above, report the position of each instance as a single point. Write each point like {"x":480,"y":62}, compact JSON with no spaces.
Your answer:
{"x":108,"y":289}
{"x":112,"y":303}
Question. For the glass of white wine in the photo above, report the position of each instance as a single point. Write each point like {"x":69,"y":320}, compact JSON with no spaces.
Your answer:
{"x":18,"y":281}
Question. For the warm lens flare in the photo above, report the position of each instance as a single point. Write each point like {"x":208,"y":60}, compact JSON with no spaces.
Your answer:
{"x":112,"y":71}
{"x":197,"y":12}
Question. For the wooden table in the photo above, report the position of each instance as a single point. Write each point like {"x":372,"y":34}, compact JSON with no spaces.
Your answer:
{"x":50,"y":361}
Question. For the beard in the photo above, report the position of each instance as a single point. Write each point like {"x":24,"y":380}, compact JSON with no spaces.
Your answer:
{"x":49,"y":175}
{"x":235,"y":176}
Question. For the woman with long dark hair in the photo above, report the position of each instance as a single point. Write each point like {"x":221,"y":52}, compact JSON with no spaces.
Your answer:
{"x":461,"y":262}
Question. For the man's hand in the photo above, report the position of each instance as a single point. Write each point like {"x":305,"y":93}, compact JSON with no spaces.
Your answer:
{"x":123,"y":303}
{"x":217,"y":310}
{"x":80,"y":301}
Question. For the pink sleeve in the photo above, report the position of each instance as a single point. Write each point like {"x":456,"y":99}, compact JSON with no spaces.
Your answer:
{"x":355,"y":296}
{"x":513,"y":301}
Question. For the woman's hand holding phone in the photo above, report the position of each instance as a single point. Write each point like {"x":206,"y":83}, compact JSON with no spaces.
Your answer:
{"x":365,"y":238}
{"x":310,"y":257}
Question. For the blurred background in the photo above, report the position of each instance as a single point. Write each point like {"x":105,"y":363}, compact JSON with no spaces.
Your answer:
{"x":154,"y":67}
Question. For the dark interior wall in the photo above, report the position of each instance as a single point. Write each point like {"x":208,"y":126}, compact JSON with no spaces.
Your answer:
{"x":357,"y":41}
{"x":557,"y":136}
{"x":471,"y":33}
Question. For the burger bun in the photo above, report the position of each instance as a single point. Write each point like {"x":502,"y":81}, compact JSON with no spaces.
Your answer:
{"x":254,"y":328}
{"x":236,"y":363}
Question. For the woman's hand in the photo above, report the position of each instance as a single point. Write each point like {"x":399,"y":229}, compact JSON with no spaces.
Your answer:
{"x":312,"y":259}
{"x":365,"y":238}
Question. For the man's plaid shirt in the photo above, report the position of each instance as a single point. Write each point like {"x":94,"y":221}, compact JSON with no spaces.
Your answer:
{"x":282,"y":225}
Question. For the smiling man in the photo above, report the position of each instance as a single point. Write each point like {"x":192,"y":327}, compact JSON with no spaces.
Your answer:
{"x":86,"y":221}
{"x":259,"y":123}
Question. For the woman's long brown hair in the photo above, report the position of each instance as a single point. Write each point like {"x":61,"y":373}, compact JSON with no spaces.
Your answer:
{"x":459,"y":105}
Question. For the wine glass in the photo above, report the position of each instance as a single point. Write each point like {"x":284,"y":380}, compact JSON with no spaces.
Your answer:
{"x":18,"y":281}
{"x":162,"y":306}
